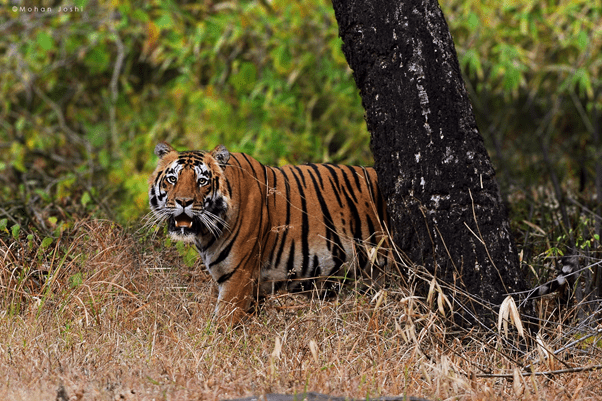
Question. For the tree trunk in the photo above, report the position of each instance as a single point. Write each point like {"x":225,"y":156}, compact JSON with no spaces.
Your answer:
{"x":433,"y":169}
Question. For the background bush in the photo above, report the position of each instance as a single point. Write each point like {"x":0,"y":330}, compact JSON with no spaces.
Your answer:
{"x":86,"y":96}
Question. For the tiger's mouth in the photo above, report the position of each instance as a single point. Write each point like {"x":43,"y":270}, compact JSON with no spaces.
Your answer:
{"x":183,"y":221}
{"x":183,"y":227}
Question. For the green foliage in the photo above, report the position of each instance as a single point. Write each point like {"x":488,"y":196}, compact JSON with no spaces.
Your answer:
{"x":265,"y":79}
{"x":87,"y":95}
{"x":534,"y":72}
{"x":532,"y":46}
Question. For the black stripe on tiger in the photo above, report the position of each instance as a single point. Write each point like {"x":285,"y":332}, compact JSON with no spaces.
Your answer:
{"x":348,"y":187}
{"x":328,"y":222}
{"x":356,"y":225}
{"x":225,"y":252}
{"x":356,"y":177}
{"x":336,"y":186}
{"x":287,"y":221}
{"x":304,"y":225}
{"x":316,"y":173}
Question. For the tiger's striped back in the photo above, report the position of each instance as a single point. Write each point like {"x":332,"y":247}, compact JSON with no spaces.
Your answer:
{"x":324,"y":220}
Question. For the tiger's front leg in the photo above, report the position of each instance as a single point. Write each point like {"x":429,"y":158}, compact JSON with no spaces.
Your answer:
{"x":235,"y":296}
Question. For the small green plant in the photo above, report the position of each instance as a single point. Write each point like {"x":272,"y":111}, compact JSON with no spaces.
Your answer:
{"x":15,"y":230}
{"x":189,"y":253}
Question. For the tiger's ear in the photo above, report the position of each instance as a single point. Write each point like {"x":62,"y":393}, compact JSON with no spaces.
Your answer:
{"x":221,"y":155}
{"x":162,"y":149}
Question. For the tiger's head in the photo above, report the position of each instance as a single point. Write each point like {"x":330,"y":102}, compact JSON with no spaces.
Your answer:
{"x":189,"y":191}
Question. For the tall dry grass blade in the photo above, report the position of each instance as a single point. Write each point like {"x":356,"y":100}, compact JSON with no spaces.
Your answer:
{"x":517,"y":384}
{"x":313,"y":347}
{"x":431,"y":293}
{"x":441,"y":301}
{"x":542,"y":350}
{"x":277,"y":348}
{"x":509,"y":311}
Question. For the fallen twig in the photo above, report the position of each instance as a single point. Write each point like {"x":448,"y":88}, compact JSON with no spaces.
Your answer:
{"x":550,"y":372}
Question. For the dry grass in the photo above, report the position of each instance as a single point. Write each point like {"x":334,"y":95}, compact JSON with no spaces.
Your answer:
{"x":102,"y":315}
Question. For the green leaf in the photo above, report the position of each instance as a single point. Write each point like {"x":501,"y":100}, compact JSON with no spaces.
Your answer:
{"x":473,"y":21}
{"x":512,"y":79}
{"x":86,"y":199}
{"x":46,"y":242}
{"x":584,"y":82}
{"x":140,"y":15}
{"x":190,"y":257}
{"x":472,"y":62}
{"x":164,"y":21}
{"x":582,"y":41}
{"x":3,"y":224}
{"x":282,"y":59}
{"x":245,"y":78}
{"x":18,"y":154}
{"x":45,"y":41}
{"x":15,"y":231}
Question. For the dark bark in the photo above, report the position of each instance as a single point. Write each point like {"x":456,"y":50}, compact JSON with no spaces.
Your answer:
{"x":434,"y":171}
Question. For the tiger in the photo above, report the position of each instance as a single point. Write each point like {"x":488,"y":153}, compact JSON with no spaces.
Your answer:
{"x":260,"y":230}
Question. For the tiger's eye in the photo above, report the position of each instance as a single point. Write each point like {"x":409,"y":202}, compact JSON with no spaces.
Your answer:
{"x":171,"y":179}
{"x":203,"y":181}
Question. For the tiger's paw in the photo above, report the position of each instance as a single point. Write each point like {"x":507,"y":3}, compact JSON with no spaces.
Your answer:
{"x":230,"y":316}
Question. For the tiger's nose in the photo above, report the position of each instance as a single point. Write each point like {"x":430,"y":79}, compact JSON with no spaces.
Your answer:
{"x":184,"y":202}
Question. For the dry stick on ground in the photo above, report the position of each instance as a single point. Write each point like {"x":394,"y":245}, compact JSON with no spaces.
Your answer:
{"x":549,"y":372}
